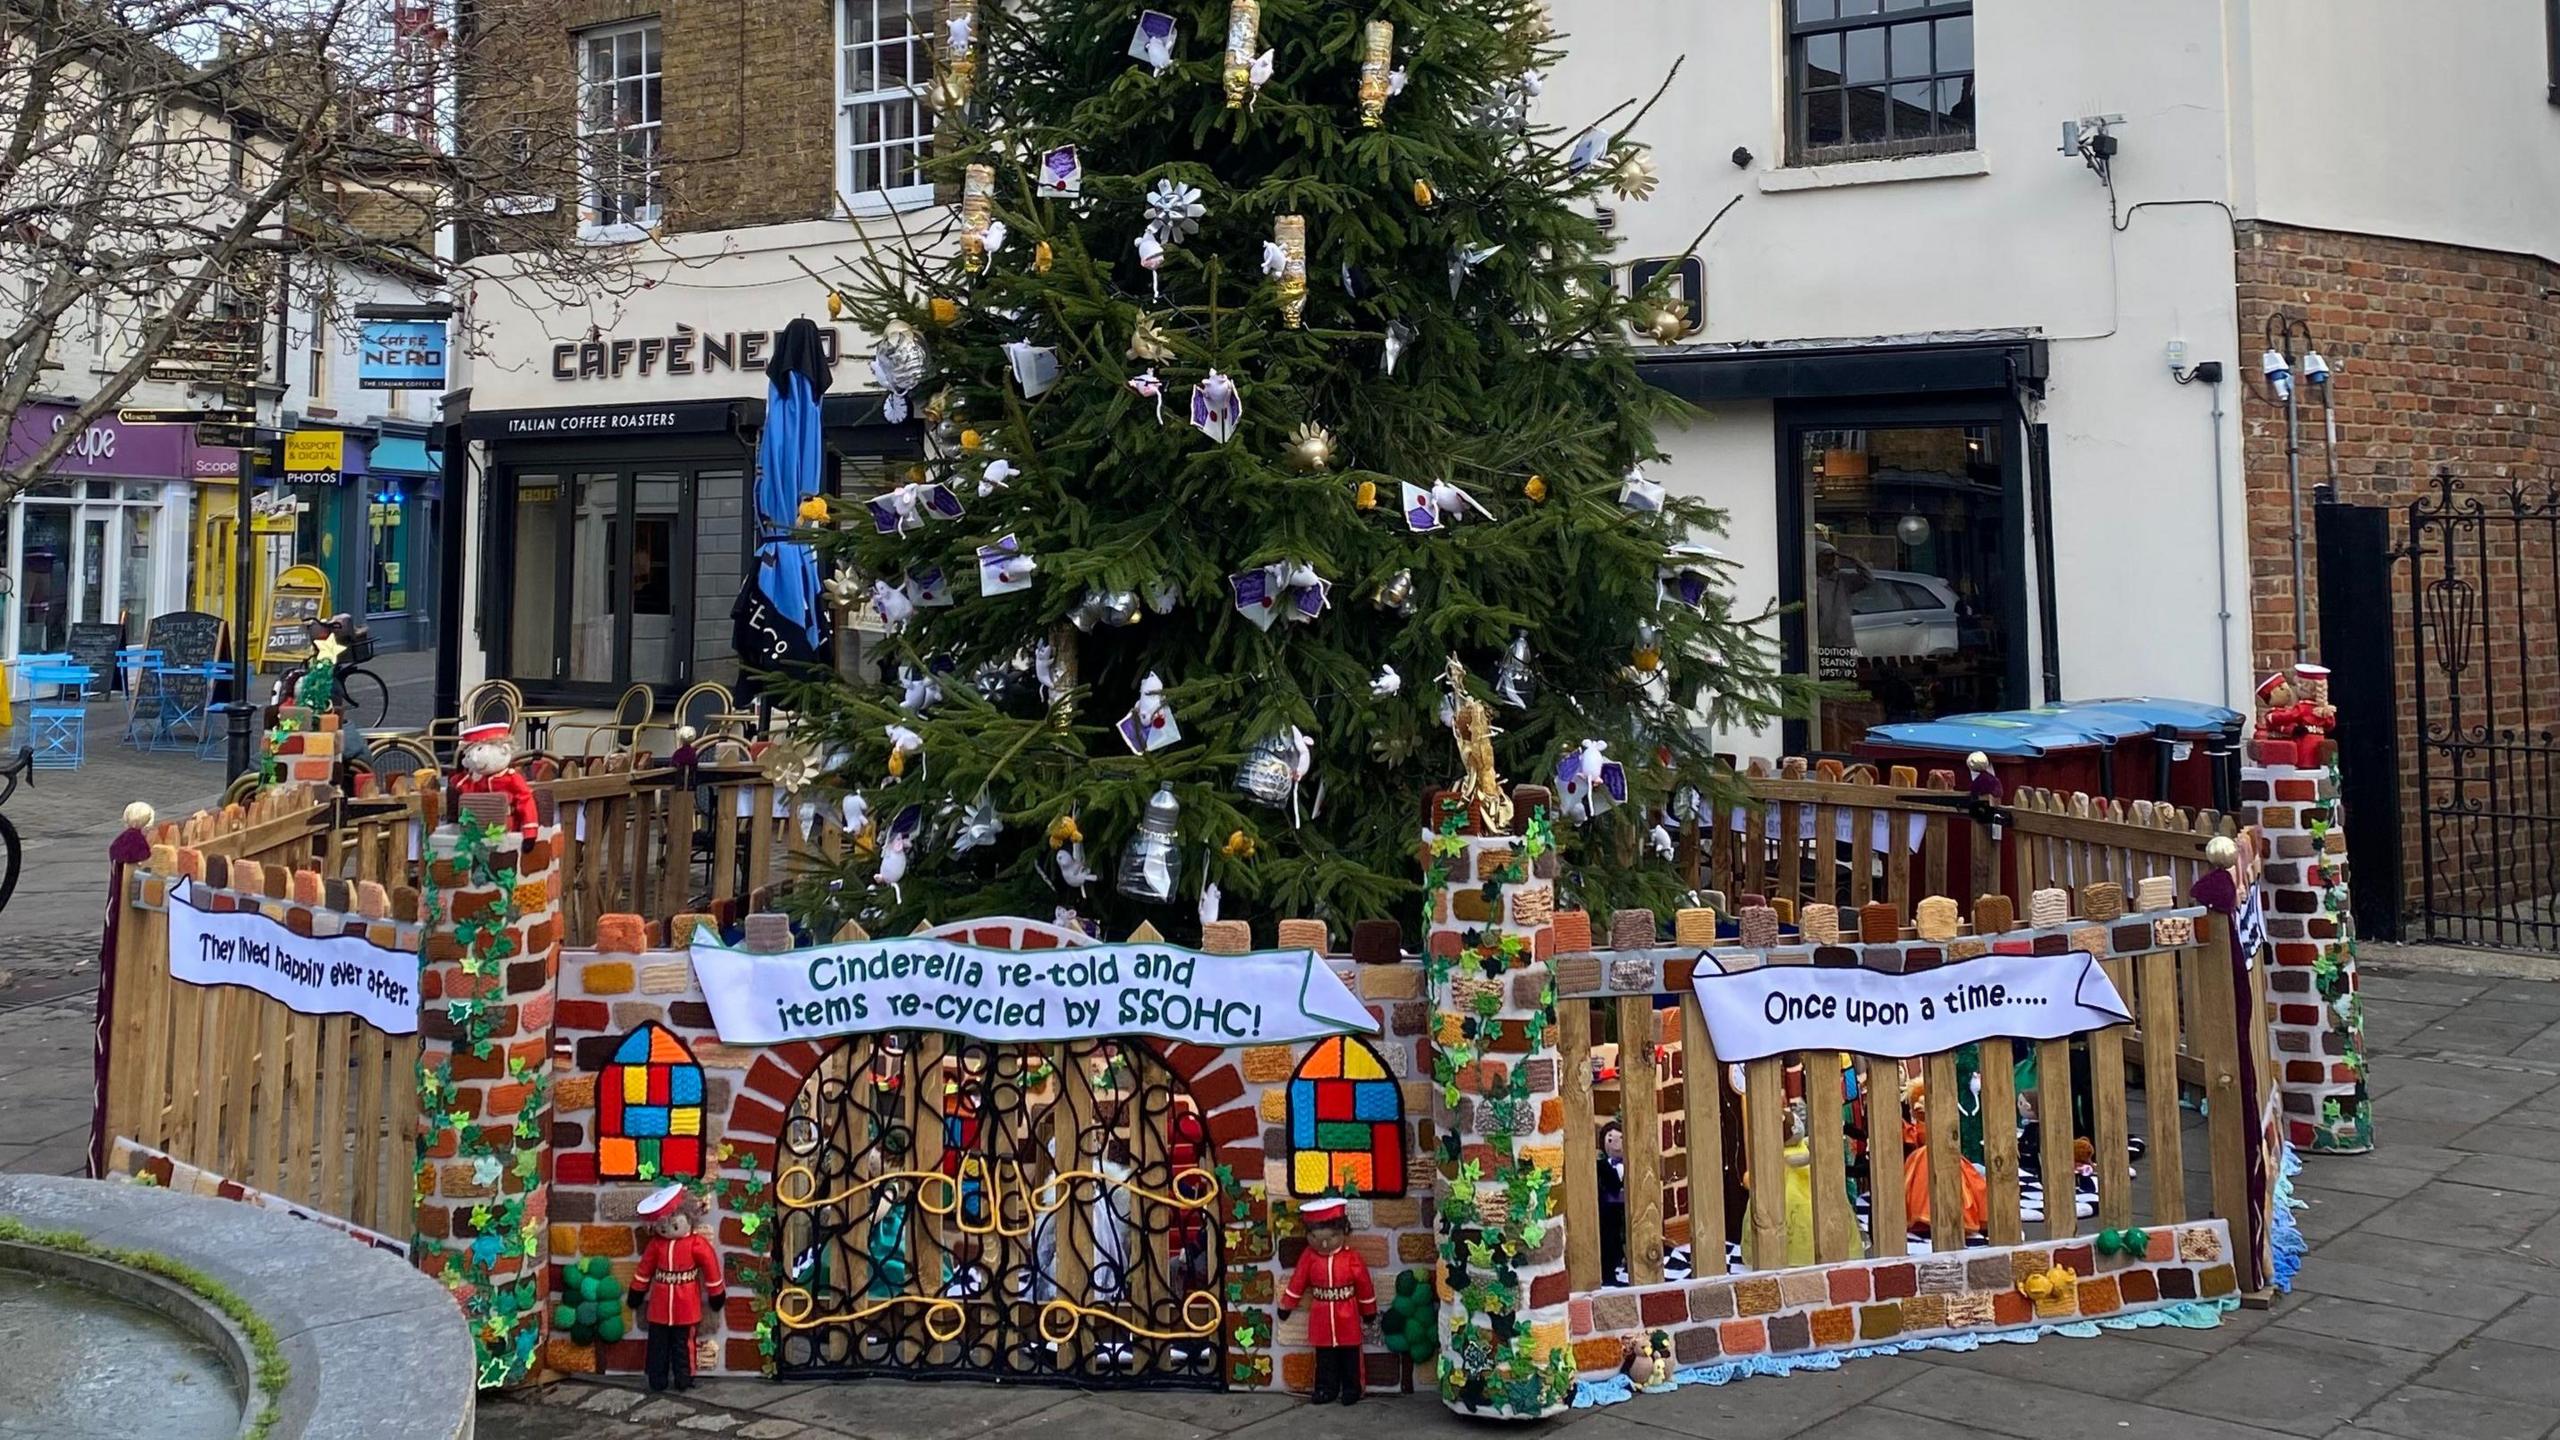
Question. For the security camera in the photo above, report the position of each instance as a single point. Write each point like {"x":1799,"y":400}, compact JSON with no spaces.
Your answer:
{"x":2279,"y":374}
{"x":2314,"y":368}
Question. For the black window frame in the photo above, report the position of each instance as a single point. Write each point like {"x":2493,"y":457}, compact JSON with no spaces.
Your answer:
{"x":2551,"y":39}
{"x":1801,"y":151}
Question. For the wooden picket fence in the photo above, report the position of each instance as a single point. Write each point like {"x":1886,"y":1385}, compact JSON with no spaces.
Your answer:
{"x":1793,"y":848}
{"x":318,"y":1110}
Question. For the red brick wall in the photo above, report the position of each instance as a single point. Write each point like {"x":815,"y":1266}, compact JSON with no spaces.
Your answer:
{"x":2445,"y":358}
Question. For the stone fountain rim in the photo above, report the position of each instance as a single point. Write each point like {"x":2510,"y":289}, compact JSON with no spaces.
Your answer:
{"x":376,"y":1349}
{"x":181,"y":1305}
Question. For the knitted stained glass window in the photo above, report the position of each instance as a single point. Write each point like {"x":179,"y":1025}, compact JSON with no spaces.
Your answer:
{"x":649,"y":1109}
{"x":1346,"y":1123}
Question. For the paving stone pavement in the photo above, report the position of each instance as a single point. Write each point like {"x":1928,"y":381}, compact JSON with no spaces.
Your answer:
{"x":2429,"y":1307}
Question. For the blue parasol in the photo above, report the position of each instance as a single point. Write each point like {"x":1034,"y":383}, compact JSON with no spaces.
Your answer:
{"x":777,"y":620}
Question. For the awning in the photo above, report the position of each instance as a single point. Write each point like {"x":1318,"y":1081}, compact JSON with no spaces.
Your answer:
{"x":405,"y":455}
{"x":1704,"y":374}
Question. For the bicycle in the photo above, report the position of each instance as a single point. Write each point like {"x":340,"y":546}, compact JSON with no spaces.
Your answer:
{"x":352,"y":683}
{"x":19,"y":771}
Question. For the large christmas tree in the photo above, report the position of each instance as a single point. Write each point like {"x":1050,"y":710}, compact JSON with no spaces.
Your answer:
{"x":1271,"y":360}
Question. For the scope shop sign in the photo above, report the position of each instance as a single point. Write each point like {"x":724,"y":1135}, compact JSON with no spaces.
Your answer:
{"x":315,"y":975}
{"x":1004,"y":996}
{"x":1753,"y":1014}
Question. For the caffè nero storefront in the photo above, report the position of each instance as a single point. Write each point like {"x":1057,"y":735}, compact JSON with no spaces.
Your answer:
{"x":616,"y":535}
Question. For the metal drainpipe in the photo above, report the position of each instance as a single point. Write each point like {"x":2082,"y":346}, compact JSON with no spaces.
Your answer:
{"x":2222,"y":549}
{"x":2293,"y":517}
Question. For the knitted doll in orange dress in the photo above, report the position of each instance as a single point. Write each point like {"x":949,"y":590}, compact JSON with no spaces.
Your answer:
{"x":1915,"y":1170}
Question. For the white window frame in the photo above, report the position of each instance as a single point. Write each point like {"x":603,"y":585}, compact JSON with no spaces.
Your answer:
{"x":589,"y":227}
{"x":920,"y":40}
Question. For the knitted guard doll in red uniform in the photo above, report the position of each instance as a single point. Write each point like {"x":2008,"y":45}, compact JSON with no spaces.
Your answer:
{"x":677,"y":1286}
{"x":1332,"y":1282}
{"x":487,"y":750}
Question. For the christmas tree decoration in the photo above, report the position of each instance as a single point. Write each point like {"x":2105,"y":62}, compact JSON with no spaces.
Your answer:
{"x":1391,"y":354}
{"x":843,"y":588}
{"x":1061,"y":174}
{"x":1121,"y":609}
{"x":897,"y":846}
{"x":1640,"y":494}
{"x":1244,"y":32}
{"x":1667,"y":322}
{"x":1035,"y":367}
{"x":904,"y":744}
{"x":1378,"y":44}
{"x":1515,"y":684}
{"x":1441,"y":506}
{"x":1154,"y":856}
{"x":1635,"y":176}
{"x":1149,"y":387}
{"x":1587,"y":150}
{"x":897,"y":511}
{"x":898,"y":366}
{"x":979,"y":825}
{"x":1284,"y":259}
{"x":1217,"y":407}
{"x":1535,"y":489}
{"x":959,"y":73}
{"x":1462,"y":262}
{"x":1148,"y":342}
{"x":1686,"y":576}
{"x":917,"y":691}
{"x":1275,"y":767}
{"x":1151,"y":259}
{"x":1310,"y":448}
{"x":1425,"y":194}
{"x":1267,"y":593}
{"x":1154,"y":40}
{"x":981,"y":234}
{"x":894,"y":604}
{"x":1364,"y":496}
{"x":1588,"y":783}
{"x":942,"y":310}
{"x":791,"y":766}
{"x":813,"y":511}
{"x":1397,"y":593}
{"x":1150,"y":724}
{"x":1648,"y":652}
{"x":1239,"y":846}
{"x":1163,"y":595}
{"x":997,"y":475}
{"x":1387,"y":683}
{"x":1003,"y":568}
{"x":1174,"y":211}
{"x":1042,"y":258}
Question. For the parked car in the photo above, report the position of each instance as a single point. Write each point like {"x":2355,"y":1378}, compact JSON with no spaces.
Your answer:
{"x":1905,"y":615}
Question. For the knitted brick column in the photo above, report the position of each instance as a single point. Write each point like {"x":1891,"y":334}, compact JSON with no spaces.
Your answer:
{"x":2317,"y":1018}
{"x":490,"y":983}
{"x":1506,"y":1347}
{"x":309,"y":752}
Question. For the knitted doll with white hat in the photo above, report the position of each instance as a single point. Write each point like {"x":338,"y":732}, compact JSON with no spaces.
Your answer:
{"x":1332,"y":1282}
{"x":488,"y":749}
{"x":678,"y":1285}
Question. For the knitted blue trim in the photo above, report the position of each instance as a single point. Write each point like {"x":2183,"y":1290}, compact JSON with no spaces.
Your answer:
{"x":2285,"y":1236}
{"x":2193,"y":1315}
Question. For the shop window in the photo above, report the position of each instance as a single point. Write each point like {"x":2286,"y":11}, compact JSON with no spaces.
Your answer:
{"x":1872,"y":79}
{"x":620,"y":189}
{"x":884,"y":61}
{"x":649,"y":1109}
{"x":1346,"y":1123}
{"x":1907,"y":566}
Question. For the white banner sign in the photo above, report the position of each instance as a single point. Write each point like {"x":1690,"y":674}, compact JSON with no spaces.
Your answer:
{"x":1753,"y":1014}
{"x":333,"y":975}
{"x":860,"y":987}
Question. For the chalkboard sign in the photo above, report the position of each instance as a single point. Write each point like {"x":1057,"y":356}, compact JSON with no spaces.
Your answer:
{"x":186,"y":637}
{"x":95,"y":647}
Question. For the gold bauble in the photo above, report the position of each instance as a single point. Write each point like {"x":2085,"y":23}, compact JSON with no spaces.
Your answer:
{"x":971,"y":440}
{"x":943,"y":309}
{"x":835,"y":306}
{"x":1669,"y":324}
{"x":1424,"y":195}
{"x":1042,"y":257}
{"x":1648,"y":658}
{"x":1310,"y":448}
{"x":1536,"y":489}
{"x":1364,"y":496}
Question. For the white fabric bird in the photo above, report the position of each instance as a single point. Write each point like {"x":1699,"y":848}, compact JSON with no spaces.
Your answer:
{"x":857,"y":815}
{"x":1659,"y":837}
{"x":1264,"y":66}
{"x":917,"y":693}
{"x":995,"y":477}
{"x":1072,"y":869}
{"x":1388,"y":682}
{"x":1395,"y":82}
{"x":1044,"y":668}
{"x":1157,"y":51}
{"x":1209,"y":900}
{"x":895,"y":605}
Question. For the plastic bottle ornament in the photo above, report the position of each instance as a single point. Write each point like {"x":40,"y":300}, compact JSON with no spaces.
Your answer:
{"x":1244,"y":31}
{"x":979,"y":229}
{"x":1289,"y":239}
{"x":1310,"y":449}
{"x":1274,"y":766}
{"x":1514,"y":683}
{"x":1121,"y":609}
{"x":898,"y":363}
{"x":1154,"y":856}
{"x":1377,"y":59}
{"x":959,"y":54}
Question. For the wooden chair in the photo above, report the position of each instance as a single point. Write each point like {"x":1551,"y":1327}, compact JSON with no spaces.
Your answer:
{"x":700,"y":706}
{"x":631,"y":714}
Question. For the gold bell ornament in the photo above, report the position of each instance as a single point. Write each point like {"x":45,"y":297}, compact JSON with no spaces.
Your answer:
{"x":1310,"y":449}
